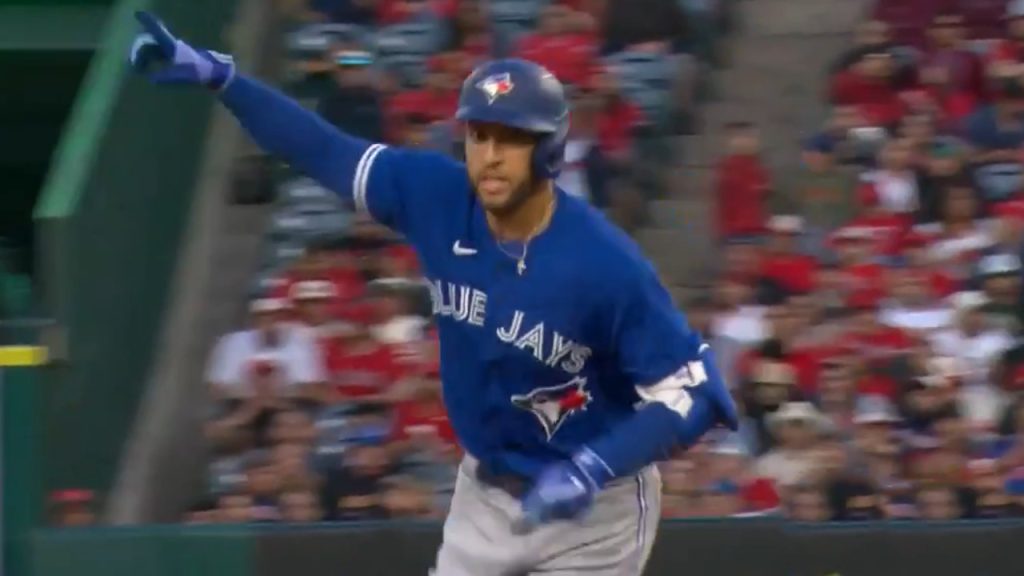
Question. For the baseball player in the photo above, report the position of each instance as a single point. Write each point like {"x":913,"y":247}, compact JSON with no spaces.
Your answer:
{"x":567,"y":371}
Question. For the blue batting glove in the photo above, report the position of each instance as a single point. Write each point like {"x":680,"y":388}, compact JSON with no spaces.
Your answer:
{"x":164,"y":59}
{"x":564,"y":490}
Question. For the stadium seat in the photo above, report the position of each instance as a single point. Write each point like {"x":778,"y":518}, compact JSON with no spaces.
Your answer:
{"x":226,"y":474}
{"x":512,"y":18}
{"x":312,"y":41}
{"x":1000,"y":181}
{"x":302,"y":190}
{"x":646,"y":79}
{"x":405,"y":48}
{"x":279,"y":254}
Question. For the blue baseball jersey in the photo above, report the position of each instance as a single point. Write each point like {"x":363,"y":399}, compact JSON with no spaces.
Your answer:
{"x":537,"y":362}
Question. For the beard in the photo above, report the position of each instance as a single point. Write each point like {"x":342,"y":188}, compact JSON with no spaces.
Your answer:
{"x":515,"y":199}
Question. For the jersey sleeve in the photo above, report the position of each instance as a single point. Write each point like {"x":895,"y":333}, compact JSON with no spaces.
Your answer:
{"x":398,"y":187}
{"x":403,"y":188}
{"x":649,"y":338}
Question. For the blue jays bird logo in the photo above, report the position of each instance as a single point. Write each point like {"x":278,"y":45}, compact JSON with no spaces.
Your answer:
{"x":496,"y":85}
{"x":552,"y":405}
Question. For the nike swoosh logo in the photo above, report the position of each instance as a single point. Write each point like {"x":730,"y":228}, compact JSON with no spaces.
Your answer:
{"x":459,"y":250}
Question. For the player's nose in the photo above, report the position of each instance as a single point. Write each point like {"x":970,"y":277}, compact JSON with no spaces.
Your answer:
{"x":492,"y":151}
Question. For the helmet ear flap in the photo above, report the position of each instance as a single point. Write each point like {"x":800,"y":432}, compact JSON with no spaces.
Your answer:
{"x":549,"y":154}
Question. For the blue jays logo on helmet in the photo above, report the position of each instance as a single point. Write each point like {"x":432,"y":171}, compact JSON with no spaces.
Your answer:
{"x":520,"y":94}
{"x":552,"y":405}
{"x":496,"y":85}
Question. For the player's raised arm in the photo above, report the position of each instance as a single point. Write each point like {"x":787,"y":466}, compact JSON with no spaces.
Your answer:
{"x":338,"y":161}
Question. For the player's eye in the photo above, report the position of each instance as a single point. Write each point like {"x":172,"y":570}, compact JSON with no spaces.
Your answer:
{"x":476,"y":133}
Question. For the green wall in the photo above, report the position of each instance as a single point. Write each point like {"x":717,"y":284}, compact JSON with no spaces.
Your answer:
{"x":108,"y":228}
{"x":149,"y":551}
{"x":39,"y":88}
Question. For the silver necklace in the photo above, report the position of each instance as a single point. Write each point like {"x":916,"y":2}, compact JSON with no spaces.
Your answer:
{"x":521,"y":259}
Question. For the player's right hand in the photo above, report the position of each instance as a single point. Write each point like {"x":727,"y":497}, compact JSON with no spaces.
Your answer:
{"x":164,"y":59}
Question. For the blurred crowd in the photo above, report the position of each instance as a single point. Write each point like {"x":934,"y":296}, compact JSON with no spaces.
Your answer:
{"x":327,"y":405}
{"x":870,"y":315}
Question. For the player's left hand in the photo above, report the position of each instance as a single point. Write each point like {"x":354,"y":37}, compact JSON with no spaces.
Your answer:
{"x":564,"y":490}
{"x":166,"y":59}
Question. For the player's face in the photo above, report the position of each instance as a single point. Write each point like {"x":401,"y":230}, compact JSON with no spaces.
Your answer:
{"x":498,"y":161}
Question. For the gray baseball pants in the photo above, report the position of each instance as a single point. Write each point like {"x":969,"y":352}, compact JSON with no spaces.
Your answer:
{"x":614,"y":539}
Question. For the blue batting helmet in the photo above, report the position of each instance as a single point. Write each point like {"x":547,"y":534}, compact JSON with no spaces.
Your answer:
{"x":523,"y":95}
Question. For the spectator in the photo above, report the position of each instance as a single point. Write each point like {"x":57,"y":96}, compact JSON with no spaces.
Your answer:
{"x":470,"y":35}
{"x":925,"y":401}
{"x":875,"y":440}
{"x":404,"y":498}
{"x":353,"y":103}
{"x":1010,"y":50}
{"x":870,"y":338}
{"x":275,"y":365}
{"x":942,"y":165}
{"x":895,"y":182}
{"x":856,"y":499}
{"x":353,"y":492}
{"x":738,"y":317}
{"x":300,"y":506}
{"x":323,"y":260}
{"x":959,"y":236}
{"x":291,"y":427}
{"x":807,"y":503}
{"x":782,"y":345}
{"x":988,"y":488}
{"x":1001,"y":281}
{"x":824,"y":193}
{"x":784,"y":268}
{"x":557,"y":46}
{"x":617,"y":120}
{"x":950,"y":68}
{"x":585,"y":173}
{"x":263,"y":485}
{"x":1009,"y":234}
{"x":395,"y":323}
{"x":203,"y":512}
{"x":914,"y":306}
{"x":742,"y":184}
{"x":679,"y":494}
{"x":435,"y":101}
{"x":854,"y":138}
{"x":996,"y":131}
{"x":722,"y":499}
{"x":316,"y":304}
{"x":796,"y":427}
{"x":236,"y":508}
{"x":976,"y":347}
{"x":728,"y":461}
{"x":399,"y":11}
{"x":292,"y":463}
{"x":868,"y":84}
{"x":870,"y":36}
{"x":365,"y":369}
{"x":72,"y":508}
{"x":937,"y":501}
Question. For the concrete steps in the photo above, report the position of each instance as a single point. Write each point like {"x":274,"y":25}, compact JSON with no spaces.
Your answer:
{"x":777,"y":67}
